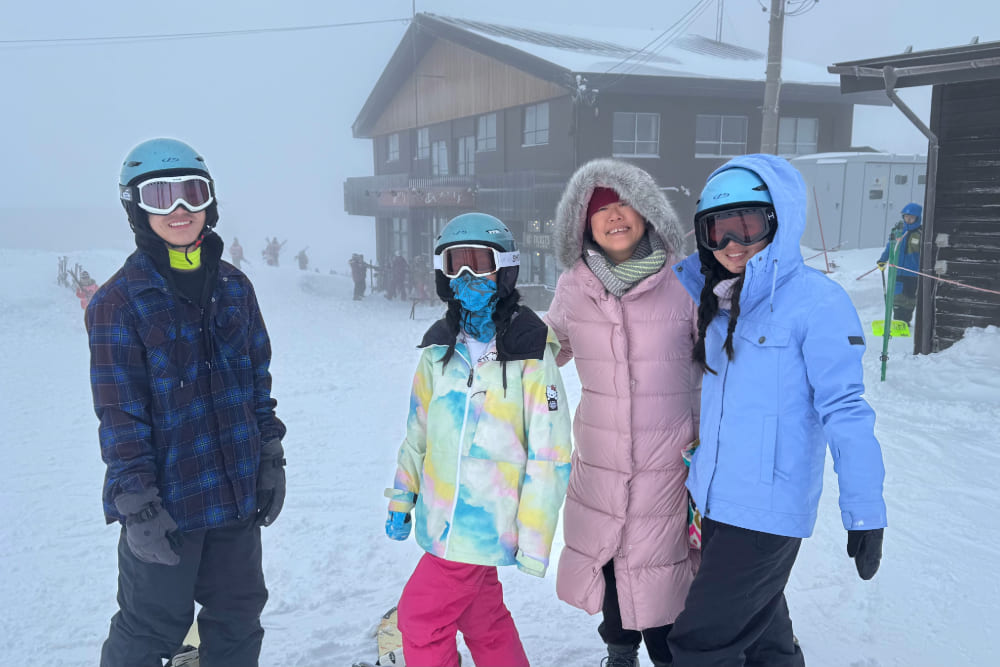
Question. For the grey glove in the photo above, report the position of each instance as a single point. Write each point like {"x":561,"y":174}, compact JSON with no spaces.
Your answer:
{"x":151,"y":533}
{"x":270,"y":482}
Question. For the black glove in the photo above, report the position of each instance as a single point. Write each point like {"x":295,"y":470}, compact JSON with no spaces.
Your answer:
{"x":880,"y":265}
{"x":270,"y":482}
{"x":151,"y":533}
{"x":865,"y":547}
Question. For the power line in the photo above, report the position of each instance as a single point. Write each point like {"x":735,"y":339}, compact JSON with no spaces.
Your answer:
{"x":665,"y":38}
{"x":125,"y":39}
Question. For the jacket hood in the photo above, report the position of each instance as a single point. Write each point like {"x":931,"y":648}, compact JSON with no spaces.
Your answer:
{"x":783,"y":256}
{"x":633,"y":185}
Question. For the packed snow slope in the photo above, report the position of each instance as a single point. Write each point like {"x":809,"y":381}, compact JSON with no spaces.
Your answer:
{"x":342,"y":372}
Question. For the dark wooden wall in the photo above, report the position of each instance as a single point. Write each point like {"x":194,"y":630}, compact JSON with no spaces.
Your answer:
{"x":966,"y":119}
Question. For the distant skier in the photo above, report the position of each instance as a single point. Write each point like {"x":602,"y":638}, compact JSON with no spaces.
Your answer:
{"x":907,"y":234}
{"x":398,"y":270}
{"x":357,"y":264}
{"x":484,"y":484}
{"x":195,"y":465}
{"x":302,"y":259}
{"x":236,"y":253}
{"x":85,"y":289}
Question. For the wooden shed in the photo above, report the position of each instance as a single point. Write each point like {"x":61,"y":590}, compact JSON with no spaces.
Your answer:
{"x":961,"y":240}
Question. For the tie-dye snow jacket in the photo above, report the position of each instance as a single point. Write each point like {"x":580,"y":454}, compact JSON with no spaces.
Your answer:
{"x":489,"y":465}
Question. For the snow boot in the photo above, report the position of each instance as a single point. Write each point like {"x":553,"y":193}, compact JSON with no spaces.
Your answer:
{"x":621,"y":655}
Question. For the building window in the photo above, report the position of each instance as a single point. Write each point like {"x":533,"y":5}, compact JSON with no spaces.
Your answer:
{"x":798,"y":136}
{"x":465,"y":165}
{"x":921,"y":179}
{"x":720,"y":136}
{"x":901,"y":179}
{"x":486,"y":132}
{"x":400,"y":233}
{"x":536,"y":124}
{"x":392,"y":148}
{"x":636,"y":134}
{"x":423,"y":144}
{"x":439,"y":158}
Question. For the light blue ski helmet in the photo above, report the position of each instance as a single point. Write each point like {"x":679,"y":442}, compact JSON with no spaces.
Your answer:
{"x":732,"y":188}
{"x":913,"y":209}
{"x":160,"y":157}
{"x":162,"y":154}
{"x":475,"y":228}
{"x":483,"y":229}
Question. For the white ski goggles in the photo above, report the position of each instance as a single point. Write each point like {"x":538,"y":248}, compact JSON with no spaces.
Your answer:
{"x":479,"y":260}
{"x":162,"y":195}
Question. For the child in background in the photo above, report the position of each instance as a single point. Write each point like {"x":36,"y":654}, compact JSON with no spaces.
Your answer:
{"x":486,"y":458}
{"x":85,"y":289}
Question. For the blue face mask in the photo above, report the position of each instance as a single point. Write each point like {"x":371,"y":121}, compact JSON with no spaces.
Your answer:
{"x":478,"y":297}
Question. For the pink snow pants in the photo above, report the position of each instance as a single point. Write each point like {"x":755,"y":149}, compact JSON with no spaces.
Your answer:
{"x":443,"y":597}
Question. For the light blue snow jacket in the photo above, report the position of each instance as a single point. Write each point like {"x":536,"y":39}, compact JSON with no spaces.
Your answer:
{"x":794,"y":385}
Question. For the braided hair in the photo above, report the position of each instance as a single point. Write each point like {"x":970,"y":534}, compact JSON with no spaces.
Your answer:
{"x":708,"y":306}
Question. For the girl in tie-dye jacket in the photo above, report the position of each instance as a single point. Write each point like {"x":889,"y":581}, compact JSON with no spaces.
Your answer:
{"x":486,"y":458}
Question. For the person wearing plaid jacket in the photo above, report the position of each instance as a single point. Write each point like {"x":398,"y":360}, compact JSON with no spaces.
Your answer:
{"x":195,"y":465}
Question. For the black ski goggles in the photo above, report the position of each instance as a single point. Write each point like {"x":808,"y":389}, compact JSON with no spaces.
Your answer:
{"x":745,"y":226}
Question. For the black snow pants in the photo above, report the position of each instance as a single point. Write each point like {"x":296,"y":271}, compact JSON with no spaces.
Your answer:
{"x":613,"y":634}
{"x":735,"y":613}
{"x":904,"y":302}
{"x":221,"y":569}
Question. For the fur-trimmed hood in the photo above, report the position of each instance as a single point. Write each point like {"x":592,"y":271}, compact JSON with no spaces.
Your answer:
{"x":633,"y":185}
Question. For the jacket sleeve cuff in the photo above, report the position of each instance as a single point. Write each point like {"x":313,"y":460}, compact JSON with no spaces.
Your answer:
{"x":399,"y":500}
{"x":864,"y":518}
{"x":529,"y":565}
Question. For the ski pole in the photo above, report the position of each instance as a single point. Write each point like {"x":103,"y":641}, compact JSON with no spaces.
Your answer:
{"x":865,"y":274}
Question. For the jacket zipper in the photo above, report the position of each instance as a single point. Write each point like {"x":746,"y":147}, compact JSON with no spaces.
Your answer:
{"x":461,"y":443}
{"x":722,"y":409}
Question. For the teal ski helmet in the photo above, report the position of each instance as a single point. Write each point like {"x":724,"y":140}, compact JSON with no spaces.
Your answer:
{"x":475,"y":228}
{"x":155,"y":158}
{"x":482,"y":229}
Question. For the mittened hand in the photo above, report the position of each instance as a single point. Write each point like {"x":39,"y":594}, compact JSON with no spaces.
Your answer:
{"x":865,"y":547}
{"x":270,"y":483}
{"x":150,"y":532}
{"x":398,"y":526}
{"x":881,"y":266}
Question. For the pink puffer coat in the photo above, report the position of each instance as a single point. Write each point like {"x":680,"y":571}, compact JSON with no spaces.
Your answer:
{"x":639,"y":407}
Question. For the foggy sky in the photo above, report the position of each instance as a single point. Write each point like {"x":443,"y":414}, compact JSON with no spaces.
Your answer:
{"x":272,"y":112}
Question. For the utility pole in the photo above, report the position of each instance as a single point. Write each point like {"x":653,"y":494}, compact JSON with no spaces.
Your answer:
{"x":772,"y":89}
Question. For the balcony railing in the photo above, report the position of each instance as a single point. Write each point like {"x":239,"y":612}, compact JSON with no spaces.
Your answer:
{"x":522,"y":195}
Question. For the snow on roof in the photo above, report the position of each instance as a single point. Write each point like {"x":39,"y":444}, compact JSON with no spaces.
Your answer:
{"x":867,"y":156}
{"x":640,"y":51}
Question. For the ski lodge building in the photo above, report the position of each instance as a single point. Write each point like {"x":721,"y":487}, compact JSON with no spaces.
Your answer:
{"x":479,"y":116}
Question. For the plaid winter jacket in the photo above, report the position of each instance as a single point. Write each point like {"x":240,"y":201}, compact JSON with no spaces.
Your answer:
{"x":183,"y":393}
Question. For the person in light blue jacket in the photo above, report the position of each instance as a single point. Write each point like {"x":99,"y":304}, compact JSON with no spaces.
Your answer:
{"x":781,"y":346}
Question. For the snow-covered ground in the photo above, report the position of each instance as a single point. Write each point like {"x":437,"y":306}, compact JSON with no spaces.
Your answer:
{"x":342,"y":372}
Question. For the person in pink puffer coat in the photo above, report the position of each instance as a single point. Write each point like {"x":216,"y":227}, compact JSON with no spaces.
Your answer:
{"x":623,"y":315}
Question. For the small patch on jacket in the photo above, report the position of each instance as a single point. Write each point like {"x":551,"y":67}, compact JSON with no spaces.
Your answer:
{"x":856,"y":340}
{"x":552,"y":393}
